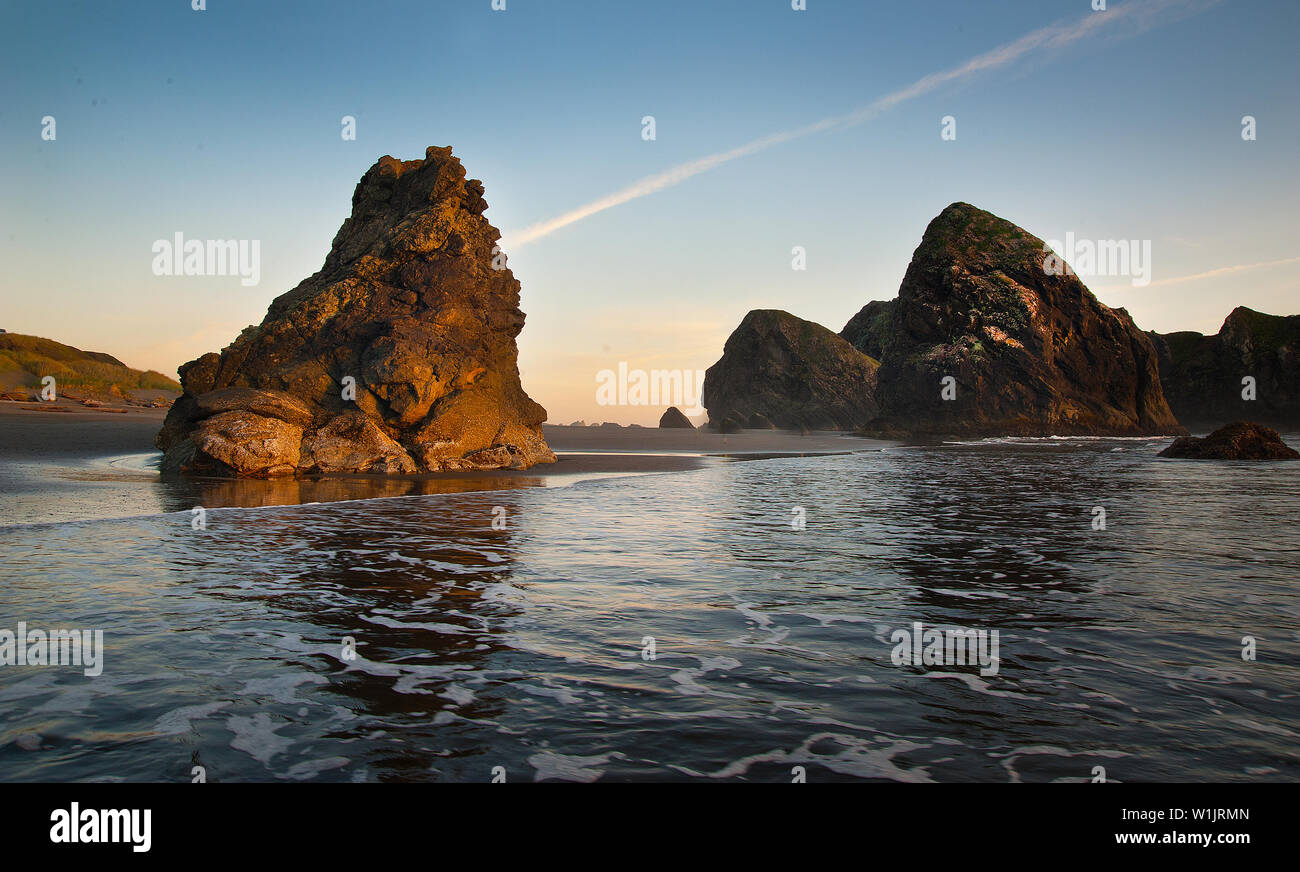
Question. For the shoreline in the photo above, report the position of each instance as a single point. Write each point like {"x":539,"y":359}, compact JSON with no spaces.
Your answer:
{"x":74,"y":463}
{"x":80,"y":464}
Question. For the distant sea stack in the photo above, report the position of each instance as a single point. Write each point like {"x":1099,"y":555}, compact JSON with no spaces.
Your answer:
{"x":1028,"y":352}
{"x":673,"y":417}
{"x":1204,"y":376}
{"x":398,"y":356}
{"x":790,"y":373}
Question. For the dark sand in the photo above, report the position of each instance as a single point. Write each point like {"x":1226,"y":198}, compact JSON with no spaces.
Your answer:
{"x":63,"y":462}
{"x":65,"y":429}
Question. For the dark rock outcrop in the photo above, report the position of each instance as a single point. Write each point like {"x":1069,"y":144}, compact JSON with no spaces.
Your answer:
{"x":414,"y":310}
{"x":1029,"y":352}
{"x":673,"y":417}
{"x":1202,"y":376}
{"x":868,"y":331}
{"x":791,"y":372}
{"x":1242,"y":440}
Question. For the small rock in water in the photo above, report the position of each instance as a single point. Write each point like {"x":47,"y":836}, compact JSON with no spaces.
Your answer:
{"x":1242,"y":440}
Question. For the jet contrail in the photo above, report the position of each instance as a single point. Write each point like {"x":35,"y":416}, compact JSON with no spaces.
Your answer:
{"x":1052,"y":37}
{"x":1223,"y":271}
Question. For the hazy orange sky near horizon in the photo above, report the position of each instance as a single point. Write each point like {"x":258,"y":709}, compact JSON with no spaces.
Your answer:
{"x":820,"y":130}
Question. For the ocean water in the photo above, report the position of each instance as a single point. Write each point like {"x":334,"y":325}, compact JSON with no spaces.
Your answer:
{"x":524,"y":653}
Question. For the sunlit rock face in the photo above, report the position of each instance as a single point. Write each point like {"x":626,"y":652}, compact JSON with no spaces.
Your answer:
{"x":398,"y":356}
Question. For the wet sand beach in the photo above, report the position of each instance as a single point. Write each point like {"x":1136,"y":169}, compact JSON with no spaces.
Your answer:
{"x":65,"y":462}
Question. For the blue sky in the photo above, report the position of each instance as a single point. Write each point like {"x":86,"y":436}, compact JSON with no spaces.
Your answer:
{"x":225,"y":124}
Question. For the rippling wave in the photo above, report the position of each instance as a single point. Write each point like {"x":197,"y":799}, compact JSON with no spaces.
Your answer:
{"x":525,"y":651}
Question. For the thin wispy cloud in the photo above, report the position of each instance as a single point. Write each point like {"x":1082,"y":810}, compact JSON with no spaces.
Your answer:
{"x":1224,"y":271}
{"x":1135,"y":16}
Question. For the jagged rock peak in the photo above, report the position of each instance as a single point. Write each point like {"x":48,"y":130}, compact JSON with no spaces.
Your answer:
{"x":398,"y":356}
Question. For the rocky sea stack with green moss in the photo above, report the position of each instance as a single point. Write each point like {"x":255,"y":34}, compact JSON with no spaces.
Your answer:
{"x":1022,"y":349}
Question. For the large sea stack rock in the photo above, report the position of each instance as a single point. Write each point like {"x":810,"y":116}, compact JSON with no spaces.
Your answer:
{"x":1031,"y":352}
{"x":1202,"y":376}
{"x":793,"y":373}
{"x":1242,"y":440}
{"x":410,"y":314}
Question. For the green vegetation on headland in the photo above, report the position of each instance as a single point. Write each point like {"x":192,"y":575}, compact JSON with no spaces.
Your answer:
{"x":26,"y":360}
